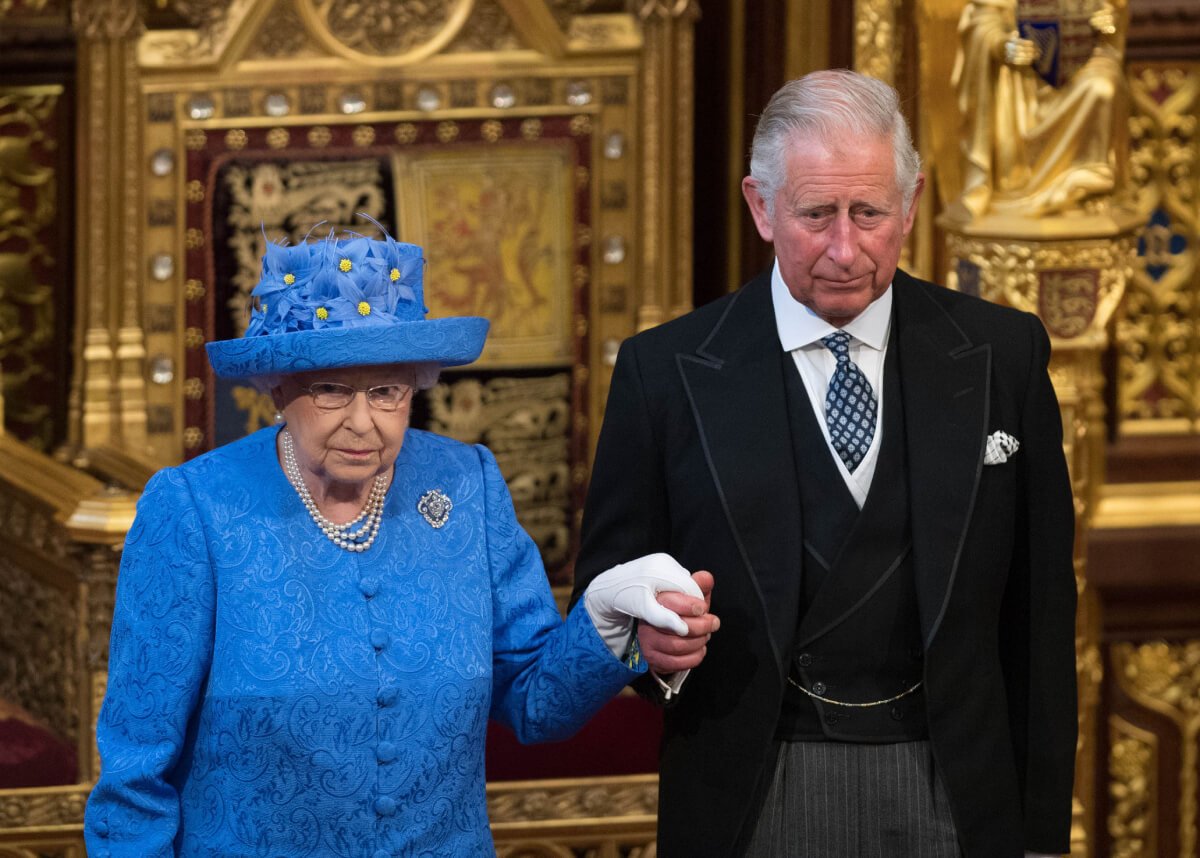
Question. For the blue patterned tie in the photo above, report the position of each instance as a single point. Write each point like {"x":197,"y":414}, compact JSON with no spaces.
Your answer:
{"x":849,"y":404}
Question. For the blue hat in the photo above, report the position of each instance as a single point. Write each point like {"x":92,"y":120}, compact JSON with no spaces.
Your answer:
{"x":352,"y":301}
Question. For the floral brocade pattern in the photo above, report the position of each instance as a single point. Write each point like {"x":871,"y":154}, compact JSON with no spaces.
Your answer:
{"x":272,"y":695}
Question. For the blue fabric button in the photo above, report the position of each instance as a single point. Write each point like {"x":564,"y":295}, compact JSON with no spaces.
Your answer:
{"x":386,"y":696}
{"x":100,"y":827}
{"x":369,"y":586}
{"x":382,"y":853}
{"x":385,"y":752}
{"x":379,"y":638}
{"x":385,"y":805}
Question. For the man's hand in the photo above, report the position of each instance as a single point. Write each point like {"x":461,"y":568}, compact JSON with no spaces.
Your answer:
{"x":667,"y":652}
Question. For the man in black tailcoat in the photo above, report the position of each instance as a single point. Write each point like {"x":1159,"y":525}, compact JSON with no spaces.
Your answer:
{"x":871,"y":468}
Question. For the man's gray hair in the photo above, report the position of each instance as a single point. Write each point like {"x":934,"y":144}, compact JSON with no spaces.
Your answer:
{"x":834,"y":108}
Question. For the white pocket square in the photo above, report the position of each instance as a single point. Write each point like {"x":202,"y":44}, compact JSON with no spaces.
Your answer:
{"x":1000,"y":446}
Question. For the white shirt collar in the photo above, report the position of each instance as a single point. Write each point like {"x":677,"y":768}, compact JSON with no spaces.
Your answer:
{"x":799,"y":326}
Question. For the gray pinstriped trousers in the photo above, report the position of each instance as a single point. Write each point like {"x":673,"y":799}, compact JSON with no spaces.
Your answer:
{"x":839,"y":800}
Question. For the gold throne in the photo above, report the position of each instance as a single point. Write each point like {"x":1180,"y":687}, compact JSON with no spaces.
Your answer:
{"x":538,"y":149}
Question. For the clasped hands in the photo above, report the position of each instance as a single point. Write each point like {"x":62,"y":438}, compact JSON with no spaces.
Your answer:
{"x":672,"y":609}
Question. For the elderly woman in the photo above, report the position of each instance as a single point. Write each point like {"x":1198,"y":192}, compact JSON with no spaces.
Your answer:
{"x":313,"y":624}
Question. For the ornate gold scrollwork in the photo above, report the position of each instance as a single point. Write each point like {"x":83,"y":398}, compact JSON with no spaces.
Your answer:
{"x":1165,"y":677}
{"x":1133,"y":789}
{"x":387,"y":32}
{"x":27,"y":213}
{"x":1158,"y":377}
{"x":106,"y":19}
{"x":581,"y":799}
{"x":1039,"y":219}
{"x":286,"y":38}
{"x":526,"y":423}
{"x":41,"y":678}
{"x":876,"y":51}
{"x":44,"y":807}
{"x":490,"y":28}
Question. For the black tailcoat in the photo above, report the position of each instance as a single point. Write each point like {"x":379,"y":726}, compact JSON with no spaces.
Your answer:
{"x":695,"y":458}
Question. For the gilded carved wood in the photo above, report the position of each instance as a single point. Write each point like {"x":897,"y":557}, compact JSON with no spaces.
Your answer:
{"x":1159,"y":677}
{"x":555,"y":134}
{"x":245,"y":69}
{"x":1037,"y":214}
{"x":1158,"y":375}
{"x":1133,"y":762}
{"x":33,"y":290}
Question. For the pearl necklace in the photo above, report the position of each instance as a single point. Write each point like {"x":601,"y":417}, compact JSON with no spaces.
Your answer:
{"x":340,"y":535}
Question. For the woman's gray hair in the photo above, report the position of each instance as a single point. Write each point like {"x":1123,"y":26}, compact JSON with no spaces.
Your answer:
{"x":831,"y":107}
{"x":427,"y":374}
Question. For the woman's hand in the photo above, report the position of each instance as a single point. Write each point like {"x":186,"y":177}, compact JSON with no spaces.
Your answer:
{"x":659,"y":593}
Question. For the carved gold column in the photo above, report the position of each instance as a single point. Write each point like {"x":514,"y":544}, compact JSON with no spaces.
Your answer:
{"x":108,"y":395}
{"x":1072,"y":273}
{"x":1163,"y":677}
{"x":1042,"y":220}
{"x":666,"y":160}
{"x":876,"y":48}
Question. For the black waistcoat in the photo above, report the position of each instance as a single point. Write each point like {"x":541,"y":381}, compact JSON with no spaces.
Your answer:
{"x":861,"y":560}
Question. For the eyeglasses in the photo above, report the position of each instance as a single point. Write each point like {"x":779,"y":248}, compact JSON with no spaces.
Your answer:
{"x":386,"y":397}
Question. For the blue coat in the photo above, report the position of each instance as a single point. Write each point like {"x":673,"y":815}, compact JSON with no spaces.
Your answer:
{"x":270,"y":694}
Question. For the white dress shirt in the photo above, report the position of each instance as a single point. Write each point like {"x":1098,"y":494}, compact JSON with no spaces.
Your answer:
{"x":800,"y":332}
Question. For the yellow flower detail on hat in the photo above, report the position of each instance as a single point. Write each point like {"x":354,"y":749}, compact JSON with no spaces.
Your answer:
{"x":322,"y":313}
{"x":364,"y":309}
{"x":394,"y":274}
{"x":289,"y":279}
{"x":345,"y":265}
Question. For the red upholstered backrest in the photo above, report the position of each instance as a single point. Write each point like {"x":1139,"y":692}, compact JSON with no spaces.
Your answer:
{"x":31,"y":755}
{"x":622,"y":739}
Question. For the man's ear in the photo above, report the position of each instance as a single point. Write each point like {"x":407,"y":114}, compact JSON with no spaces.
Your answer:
{"x":910,"y":216}
{"x":758,"y":208}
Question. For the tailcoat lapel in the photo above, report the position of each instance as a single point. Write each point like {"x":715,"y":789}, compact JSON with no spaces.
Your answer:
{"x":734,"y":382}
{"x":945,"y":382}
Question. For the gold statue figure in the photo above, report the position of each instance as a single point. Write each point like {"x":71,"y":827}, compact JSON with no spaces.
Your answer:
{"x":1031,"y":147}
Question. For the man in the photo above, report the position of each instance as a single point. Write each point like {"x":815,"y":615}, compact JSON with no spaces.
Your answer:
{"x":871,"y":468}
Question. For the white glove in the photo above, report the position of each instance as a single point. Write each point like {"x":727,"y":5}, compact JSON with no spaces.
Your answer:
{"x":628,"y":591}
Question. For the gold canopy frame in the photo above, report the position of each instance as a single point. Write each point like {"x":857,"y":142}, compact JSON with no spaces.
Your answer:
{"x":297,"y":79}
{"x":571,"y":116}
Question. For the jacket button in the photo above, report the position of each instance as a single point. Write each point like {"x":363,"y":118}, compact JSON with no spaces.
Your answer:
{"x":369,"y":587}
{"x":385,"y":752}
{"x":832,"y":718}
{"x":379,"y":638}
{"x":381,"y":853}
{"x":385,"y":805}
{"x":805,"y":659}
{"x":819,"y":688}
{"x":100,"y":827}
{"x":386,"y":696}
{"x":897,"y":712}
